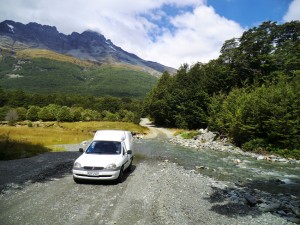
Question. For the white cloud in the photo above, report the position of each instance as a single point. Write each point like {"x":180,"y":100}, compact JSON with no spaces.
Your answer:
{"x":293,"y":12}
{"x":198,"y":35}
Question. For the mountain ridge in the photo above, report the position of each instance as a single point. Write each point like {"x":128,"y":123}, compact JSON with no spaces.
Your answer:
{"x":88,"y":45}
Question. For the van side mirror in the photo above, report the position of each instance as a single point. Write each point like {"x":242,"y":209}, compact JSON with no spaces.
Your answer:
{"x":129,"y":152}
{"x":80,"y":149}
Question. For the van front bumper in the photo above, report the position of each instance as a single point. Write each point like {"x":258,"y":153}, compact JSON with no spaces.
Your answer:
{"x":96,"y":175}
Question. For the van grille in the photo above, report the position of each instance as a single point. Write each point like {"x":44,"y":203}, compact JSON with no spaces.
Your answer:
{"x":92,"y":168}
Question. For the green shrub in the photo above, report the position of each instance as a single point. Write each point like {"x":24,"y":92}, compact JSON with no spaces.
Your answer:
{"x":258,"y":145}
{"x":189,"y":134}
{"x":262,"y":147}
{"x":269,"y":112}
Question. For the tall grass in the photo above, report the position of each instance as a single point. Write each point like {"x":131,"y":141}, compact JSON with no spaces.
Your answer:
{"x":23,"y":141}
{"x":12,"y":149}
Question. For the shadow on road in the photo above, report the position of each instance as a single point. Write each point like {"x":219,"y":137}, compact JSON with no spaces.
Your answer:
{"x":15,"y":173}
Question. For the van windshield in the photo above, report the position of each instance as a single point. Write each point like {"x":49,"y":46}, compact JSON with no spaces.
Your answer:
{"x":104,"y":148}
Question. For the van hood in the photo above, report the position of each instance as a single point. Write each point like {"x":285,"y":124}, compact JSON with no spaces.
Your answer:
{"x":97,"y":160}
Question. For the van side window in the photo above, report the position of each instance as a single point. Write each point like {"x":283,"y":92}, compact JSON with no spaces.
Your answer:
{"x":123,"y":148}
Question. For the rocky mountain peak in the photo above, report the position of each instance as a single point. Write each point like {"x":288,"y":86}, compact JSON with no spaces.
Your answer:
{"x":89,"y":45}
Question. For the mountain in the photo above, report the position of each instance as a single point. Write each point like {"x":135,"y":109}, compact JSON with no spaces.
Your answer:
{"x":39,"y":59}
{"x":88,"y":45}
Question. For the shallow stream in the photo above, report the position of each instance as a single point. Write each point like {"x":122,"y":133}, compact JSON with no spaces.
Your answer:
{"x":242,"y":170}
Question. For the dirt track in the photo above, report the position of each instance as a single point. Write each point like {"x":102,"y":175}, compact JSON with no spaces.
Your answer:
{"x":153,"y":193}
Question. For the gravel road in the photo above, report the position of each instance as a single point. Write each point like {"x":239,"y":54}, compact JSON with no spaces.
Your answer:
{"x":40,"y":190}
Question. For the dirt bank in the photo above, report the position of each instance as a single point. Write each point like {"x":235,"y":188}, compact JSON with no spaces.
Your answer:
{"x":156,"y":131}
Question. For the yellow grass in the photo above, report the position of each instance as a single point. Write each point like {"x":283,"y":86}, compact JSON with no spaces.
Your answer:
{"x":43,"y":53}
{"x":48,"y":134}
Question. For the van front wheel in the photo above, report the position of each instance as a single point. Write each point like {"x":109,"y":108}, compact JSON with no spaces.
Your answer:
{"x":120,"y":178}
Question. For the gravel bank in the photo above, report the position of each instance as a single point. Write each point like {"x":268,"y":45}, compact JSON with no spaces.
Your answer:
{"x":154,"y":193}
{"x":29,"y":170}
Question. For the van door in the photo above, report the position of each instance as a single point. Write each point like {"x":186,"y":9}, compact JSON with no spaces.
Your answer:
{"x":126,"y":157}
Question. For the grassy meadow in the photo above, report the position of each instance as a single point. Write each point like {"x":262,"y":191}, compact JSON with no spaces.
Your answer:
{"x":24,"y":141}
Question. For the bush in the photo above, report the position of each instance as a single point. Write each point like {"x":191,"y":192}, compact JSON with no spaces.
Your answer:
{"x":189,"y":135}
{"x":262,"y":147}
{"x":269,"y":113}
{"x":30,"y":124}
{"x":256,"y":145}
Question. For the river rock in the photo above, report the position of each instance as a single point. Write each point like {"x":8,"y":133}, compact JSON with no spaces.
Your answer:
{"x":201,"y":167}
{"x":269,"y":208}
{"x":294,"y":220}
{"x":260,"y":157}
{"x":250,"y":199}
{"x":205,"y":136}
{"x":237,"y":161}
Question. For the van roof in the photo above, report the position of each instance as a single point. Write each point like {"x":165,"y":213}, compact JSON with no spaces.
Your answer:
{"x":110,"y":135}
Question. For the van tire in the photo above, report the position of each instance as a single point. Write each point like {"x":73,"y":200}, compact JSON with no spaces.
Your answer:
{"x":120,"y":178}
{"x":77,"y":181}
{"x":129,"y":169}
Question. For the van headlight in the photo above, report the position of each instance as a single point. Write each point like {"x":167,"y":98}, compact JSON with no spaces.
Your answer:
{"x":77,"y":165}
{"x":112,"y":166}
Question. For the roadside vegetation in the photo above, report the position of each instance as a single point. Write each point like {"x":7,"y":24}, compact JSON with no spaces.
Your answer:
{"x":19,"y":105}
{"x":13,"y":149}
{"x":32,"y":138}
{"x":249,"y":94}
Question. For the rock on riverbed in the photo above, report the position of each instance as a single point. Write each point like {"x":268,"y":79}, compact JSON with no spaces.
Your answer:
{"x":207,"y":139}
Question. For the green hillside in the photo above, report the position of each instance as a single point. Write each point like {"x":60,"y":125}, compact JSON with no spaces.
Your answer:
{"x":42,"y":74}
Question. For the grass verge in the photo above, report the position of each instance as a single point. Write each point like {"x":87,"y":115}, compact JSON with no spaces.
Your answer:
{"x":12,"y":149}
{"x":22,"y":141}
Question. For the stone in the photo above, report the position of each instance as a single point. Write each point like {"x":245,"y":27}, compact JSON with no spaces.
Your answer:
{"x":281,"y":212}
{"x":269,"y":208}
{"x":260,"y":157}
{"x":293,"y":220}
{"x":250,"y":199}
{"x":237,"y":161}
{"x":200,"y":167}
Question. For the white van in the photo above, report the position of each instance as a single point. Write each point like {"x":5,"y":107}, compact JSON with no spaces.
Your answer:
{"x":106,"y":158}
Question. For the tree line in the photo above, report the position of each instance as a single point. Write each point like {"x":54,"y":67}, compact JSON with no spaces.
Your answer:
{"x":18,"y":105}
{"x":250,"y":93}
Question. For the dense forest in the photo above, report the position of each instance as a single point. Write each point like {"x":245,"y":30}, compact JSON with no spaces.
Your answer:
{"x":251,"y":93}
{"x":19,"y":105}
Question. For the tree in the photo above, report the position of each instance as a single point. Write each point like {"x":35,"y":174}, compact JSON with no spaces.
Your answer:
{"x":21,"y":111}
{"x":32,"y":113}
{"x":64,"y":114}
{"x":157,"y":104}
{"x":18,"y":98}
{"x":3,"y":98}
{"x":12,"y":117}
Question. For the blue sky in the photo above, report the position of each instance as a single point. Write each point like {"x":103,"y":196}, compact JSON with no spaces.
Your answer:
{"x":171,"y":32}
{"x":250,"y":13}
